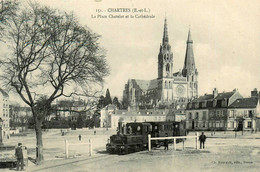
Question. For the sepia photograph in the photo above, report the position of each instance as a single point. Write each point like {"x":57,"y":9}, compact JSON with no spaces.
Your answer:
{"x":129,"y":86}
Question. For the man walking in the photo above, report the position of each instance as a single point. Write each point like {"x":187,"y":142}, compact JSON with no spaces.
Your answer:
{"x":166,"y":142}
{"x":202,"y":140}
{"x":19,"y":156}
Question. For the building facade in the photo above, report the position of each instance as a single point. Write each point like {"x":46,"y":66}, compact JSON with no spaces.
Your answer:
{"x":110,"y":116}
{"x":4,"y":112}
{"x":170,"y":87}
{"x":243,"y":114}
{"x":210,"y":112}
{"x":223,"y":111}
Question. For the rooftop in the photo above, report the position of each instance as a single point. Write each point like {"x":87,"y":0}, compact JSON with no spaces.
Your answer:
{"x":245,"y":103}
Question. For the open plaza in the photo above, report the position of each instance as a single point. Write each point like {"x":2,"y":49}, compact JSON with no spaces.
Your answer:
{"x":225,"y":151}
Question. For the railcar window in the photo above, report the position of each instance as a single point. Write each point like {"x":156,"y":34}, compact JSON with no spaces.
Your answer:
{"x":150,"y":128}
{"x":129,"y":130}
{"x":162,"y":127}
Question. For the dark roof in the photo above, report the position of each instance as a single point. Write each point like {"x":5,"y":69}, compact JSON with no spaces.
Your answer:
{"x":144,"y":84}
{"x":4,"y":93}
{"x":220,"y":101}
{"x":220,"y":96}
{"x":225,"y":95}
{"x":204,"y":98}
{"x":245,"y":103}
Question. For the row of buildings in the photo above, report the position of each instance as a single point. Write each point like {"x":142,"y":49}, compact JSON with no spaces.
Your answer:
{"x":224,"y":111}
{"x":216,"y":111}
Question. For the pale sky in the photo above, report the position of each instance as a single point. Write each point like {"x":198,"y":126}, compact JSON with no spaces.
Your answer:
{"x":225,"y":33}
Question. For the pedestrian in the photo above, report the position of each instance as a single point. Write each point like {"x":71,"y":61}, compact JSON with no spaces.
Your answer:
{"x":202,"y":140}
{"x":166,"y":142}
{"x":79,"y":137}
{"x":95,"y":132}
{"x":19,"y":157}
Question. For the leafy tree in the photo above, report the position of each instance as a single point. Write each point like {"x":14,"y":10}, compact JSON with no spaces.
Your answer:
{"x":80,"y":121}
{"x":50,"y":54}
{"x":101,"y":102}
{"x":117,"y":103}
{"x":107,"y":99}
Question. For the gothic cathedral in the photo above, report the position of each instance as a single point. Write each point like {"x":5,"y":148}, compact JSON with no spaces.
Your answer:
{"x":169,"y":89}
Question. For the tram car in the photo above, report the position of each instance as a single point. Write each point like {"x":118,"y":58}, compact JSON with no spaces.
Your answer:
{"x":134,"y":136}
{"x":160,"y":129}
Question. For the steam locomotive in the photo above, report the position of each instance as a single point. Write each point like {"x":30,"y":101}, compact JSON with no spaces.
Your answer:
{"x":134,"y":136}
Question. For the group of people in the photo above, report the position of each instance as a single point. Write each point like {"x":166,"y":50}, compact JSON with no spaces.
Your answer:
{"x":202,"y":140}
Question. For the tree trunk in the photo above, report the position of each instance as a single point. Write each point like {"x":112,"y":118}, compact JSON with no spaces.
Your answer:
{"x":39,"y":145}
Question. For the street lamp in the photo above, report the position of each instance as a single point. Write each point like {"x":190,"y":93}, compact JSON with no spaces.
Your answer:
{"x":1,"y":132}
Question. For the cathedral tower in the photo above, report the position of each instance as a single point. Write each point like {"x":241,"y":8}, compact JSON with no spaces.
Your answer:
{"x":165,"y":68}
{"x":165,"y":57}
{"x":189,"y":70}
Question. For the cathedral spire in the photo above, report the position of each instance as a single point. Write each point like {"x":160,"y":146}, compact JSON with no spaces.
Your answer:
{"x":189,"y":63}
{"x":189,"y":40}
{"x":165,"y":32}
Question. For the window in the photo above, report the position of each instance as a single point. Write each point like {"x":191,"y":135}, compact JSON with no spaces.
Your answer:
{"x":249,"y":124}
{"x":162,"y":127}
{"x":167,"y":67}
{"x":204,"y":124}
{"x":190,"y":115}
{"x":204,"y":115}
{"x":231,"y":114}
{"x":250,"y":113}
{"x":197,"y":115}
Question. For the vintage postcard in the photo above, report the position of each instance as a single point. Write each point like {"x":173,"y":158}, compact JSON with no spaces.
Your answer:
{"x":129,"y":86}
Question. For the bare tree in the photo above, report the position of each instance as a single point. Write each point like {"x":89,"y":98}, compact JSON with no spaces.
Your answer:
{"x":51,"y":54}
{"x":7,"y":10}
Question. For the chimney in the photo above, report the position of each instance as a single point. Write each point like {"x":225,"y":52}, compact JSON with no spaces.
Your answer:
{"x":254,"y":93}
{"x":215,"y":93}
